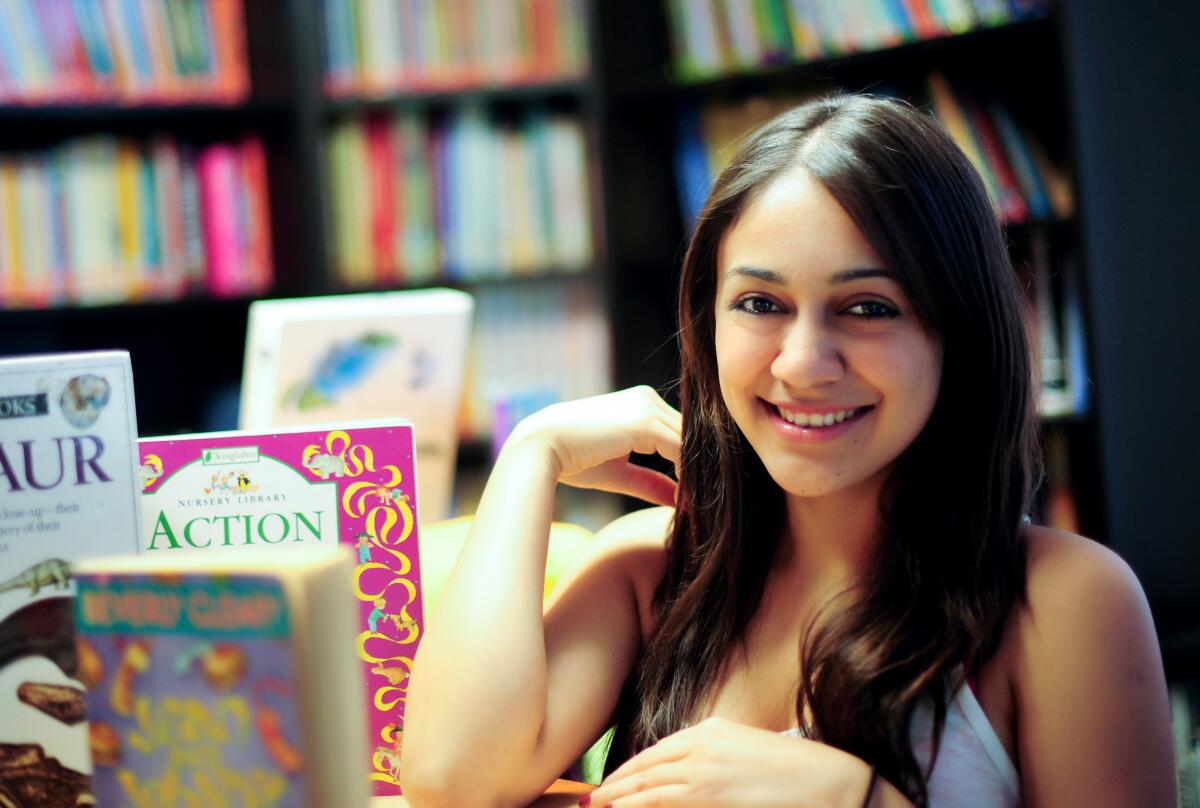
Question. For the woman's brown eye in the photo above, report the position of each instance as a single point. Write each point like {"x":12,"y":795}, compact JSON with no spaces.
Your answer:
{"x":756,"y":305}
{"x":872,"y":309}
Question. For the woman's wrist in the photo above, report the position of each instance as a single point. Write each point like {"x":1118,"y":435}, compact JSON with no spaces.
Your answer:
{"x":533,"y":446}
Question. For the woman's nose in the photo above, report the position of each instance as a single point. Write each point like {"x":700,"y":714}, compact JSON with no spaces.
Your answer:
{"x":809,"y":355}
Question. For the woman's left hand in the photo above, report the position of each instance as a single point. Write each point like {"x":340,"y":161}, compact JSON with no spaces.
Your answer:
{"x":723,"y":763}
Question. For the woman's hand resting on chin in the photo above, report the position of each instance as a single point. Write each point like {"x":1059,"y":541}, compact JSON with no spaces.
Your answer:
{"x":730,"y":765}
{"x":591,"y":440}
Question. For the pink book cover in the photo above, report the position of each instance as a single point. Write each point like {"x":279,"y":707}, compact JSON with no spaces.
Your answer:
{"x":308,"y":490}
{"x":217,"y":170}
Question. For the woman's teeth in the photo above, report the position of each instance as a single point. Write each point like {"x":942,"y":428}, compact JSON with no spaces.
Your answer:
{"x":818,"y":419}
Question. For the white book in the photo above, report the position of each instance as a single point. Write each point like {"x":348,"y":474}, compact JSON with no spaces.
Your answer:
{"x":353,"y":357}
{"x":69,"y":476}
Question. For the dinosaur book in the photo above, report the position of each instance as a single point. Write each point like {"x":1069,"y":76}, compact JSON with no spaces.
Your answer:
{"x":221,"y":680}
{"x":308,"y":491}
{"x":68,"y":490}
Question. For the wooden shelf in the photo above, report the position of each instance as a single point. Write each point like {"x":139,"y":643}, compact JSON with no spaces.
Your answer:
{"x":920,"y":54}
{"x":559,"y":90}
{"x":109,"y":115}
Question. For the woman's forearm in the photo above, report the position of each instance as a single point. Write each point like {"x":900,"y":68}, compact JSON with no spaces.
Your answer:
{"x":477,"y":699}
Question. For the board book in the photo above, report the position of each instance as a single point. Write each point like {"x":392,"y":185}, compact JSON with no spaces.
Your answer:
{"x":68,"y":473}
{"x":349,"y":357}
{"x":221,"y":680}
{"x":308,"y":491}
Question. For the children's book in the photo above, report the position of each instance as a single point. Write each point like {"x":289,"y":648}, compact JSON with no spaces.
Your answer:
{"x":350,"y":357}
{"x":308,"y":491}
{"x":221,"y":680}
{"x":68,"y":473}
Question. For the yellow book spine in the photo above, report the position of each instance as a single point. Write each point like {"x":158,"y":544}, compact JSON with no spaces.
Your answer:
{"x":13,"y":284}
{"x":131,"y":278}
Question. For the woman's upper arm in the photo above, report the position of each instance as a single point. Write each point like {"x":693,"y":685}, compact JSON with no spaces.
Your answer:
{"x":593,"y":630}
{"x":1093,"y":722}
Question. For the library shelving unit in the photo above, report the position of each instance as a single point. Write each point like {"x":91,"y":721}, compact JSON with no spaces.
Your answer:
{"x":1106,"y":85}
{"x":1115,"y":127}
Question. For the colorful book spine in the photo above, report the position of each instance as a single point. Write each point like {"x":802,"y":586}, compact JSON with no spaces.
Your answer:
{"x":445,"y":201}
{"x":123,"y":51}
{"x":381,"y":47}
{"x":308,"y":491}
{"x":104,"y":220}
{"x":1014,"y":166}
{"x":714,"y":37}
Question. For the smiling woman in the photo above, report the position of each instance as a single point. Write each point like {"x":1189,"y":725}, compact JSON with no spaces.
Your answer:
{"x":845,"y":556}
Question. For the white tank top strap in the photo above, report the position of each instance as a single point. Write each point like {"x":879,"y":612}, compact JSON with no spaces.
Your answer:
{"x":972,"y":710}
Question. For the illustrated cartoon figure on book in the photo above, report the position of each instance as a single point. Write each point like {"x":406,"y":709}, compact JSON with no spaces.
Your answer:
{"x":343,"y":367}
{"x":363,"y":544}
{"x":83,"y":398}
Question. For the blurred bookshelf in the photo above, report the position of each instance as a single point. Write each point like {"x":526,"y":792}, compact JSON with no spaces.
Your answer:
{"x":329,"y":95}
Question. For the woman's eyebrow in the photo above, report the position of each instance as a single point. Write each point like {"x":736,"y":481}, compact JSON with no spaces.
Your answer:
{"x":845,"y":276}
{"x":858,"y":274}
{"x":756,"y":272}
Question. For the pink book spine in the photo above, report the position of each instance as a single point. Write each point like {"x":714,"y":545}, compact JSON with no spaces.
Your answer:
{"x":217,"y":169}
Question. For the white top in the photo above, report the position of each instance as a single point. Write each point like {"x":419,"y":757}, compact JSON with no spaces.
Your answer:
{"x":973,"y":769}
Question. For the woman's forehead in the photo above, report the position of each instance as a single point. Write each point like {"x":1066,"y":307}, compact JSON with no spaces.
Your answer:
{"x":794,"y":227}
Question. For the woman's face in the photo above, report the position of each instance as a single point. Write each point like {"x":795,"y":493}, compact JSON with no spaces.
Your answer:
{"x":823,"y":363}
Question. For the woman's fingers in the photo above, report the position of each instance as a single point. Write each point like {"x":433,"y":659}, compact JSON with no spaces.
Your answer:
{"x":665,"y":780}
{"x":648,"y":484}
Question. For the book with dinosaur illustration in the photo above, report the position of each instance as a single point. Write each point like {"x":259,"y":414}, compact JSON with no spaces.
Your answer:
{"x":350,"y":357}
{"x":221,"y":679}
{"x":308,"y":491}
{"x":68,"y":473}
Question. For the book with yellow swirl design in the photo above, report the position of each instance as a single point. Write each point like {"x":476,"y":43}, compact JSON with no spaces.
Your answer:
{"x":308,"y":491}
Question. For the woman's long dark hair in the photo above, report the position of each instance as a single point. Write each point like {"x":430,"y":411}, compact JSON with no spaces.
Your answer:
{"x":950,"y":564}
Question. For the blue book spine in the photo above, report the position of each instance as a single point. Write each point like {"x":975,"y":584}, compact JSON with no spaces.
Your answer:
{"x":139,"y":43}
{"x":14,"y":67}
{"x":151,"y":210}
{"x":56,"y":194}
{"x":206,"y":43}
{"x":691,"y":166}
{"x":92,"y":29}
{"x":337,"y":34}
{"x":898,"y":12}
{"x":1019,"y":156}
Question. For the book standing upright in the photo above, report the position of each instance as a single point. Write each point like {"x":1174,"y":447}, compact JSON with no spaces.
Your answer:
{"x":68,"y":490}
{"x":305,"y":492}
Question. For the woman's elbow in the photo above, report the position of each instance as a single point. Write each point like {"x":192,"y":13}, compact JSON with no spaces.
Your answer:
{"x":428,"y":785}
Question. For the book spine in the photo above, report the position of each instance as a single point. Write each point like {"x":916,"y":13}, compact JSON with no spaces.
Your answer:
{"x":229,"y":38}
{"x":383,"y":202}
{"x":255,"y":184}
{"x":216,"y":171}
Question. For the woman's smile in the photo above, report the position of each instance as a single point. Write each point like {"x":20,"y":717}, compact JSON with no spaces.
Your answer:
{"x":815,"y":424}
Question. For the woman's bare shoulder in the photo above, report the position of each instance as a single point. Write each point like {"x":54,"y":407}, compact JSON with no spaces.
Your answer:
{"x":1064,"y":568}
{"x":1086,"y":676}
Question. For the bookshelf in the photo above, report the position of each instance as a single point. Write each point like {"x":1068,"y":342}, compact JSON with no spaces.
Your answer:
{"x":1118,"y":125}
